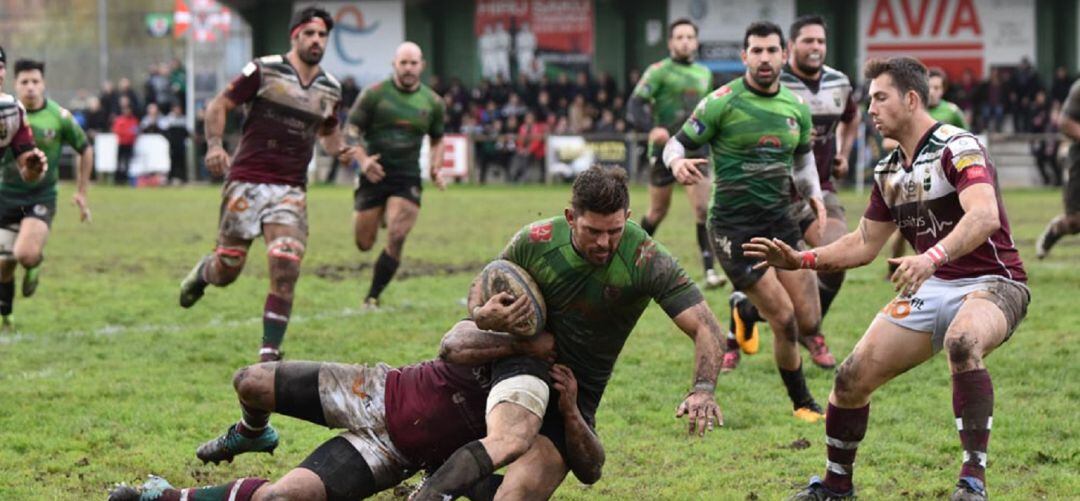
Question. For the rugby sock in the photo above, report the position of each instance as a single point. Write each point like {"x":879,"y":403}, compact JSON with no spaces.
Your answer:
{"x":844,"y":429}
{"x":828,"y":287}
{"x":647,"y":225}
{"x":7,"y":297}
{"x":796,"y":387}
{"x":275,"y":320}
{"x":253,"y":422}
{"x":973,"y":406}
{"x":385,"y":267}
{"x":703,"y":244}
{"x":732,"y":343}
{"x":237,"y":490}
{"x":467,"y":466}
{"x":485,"y":489}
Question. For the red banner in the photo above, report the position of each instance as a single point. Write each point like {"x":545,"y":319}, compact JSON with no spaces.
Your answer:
{"x":526,"y":36}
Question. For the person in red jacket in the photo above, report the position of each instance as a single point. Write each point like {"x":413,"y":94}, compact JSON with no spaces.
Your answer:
{"x":126,"y":128}
{"x":530,"y":147}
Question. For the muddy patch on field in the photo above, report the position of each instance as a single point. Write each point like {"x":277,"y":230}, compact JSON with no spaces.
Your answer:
{"x":409,"y":269}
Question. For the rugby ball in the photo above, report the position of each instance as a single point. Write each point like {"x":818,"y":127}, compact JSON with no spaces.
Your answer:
{"x":503,"y":276}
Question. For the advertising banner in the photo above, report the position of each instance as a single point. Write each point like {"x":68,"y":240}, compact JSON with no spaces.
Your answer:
{"x":568,"y":156}
{"x":527,"y":36}
{"x":456,"y":157}
{"x":364,"y":37}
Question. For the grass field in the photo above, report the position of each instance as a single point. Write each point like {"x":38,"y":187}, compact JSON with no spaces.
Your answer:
{"x":107,"y":379}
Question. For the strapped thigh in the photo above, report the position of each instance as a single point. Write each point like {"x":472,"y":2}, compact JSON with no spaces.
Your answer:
{"x":8,"y":235}
{"x":285,"y":247}
{"x":231,"y":256}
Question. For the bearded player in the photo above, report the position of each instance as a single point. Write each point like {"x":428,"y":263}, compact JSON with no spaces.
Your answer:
{"x":660,"y":103}
{"x":289,"y":103}
{"x":393,"y":116}
{"x":965,"y":291}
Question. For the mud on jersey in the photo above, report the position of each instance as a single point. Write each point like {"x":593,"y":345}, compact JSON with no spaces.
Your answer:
{"x":673,"y":89}
{"x":753,"y":139}
{"x":394,"y":122}
{"x":53,"y":127}
{"x":592,"y":309}
{"x":282,"y":122}
{"x":830,"y":101}
{"x":923,"y":201}
{"x":14,"y":130}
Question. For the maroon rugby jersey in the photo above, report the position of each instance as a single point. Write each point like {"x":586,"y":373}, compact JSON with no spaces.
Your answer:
{"x":831,"y":102}
{"x":283,"y":119}
{"x":923,"y":200}
{"x":434,"y":407}
{"x":15,"y":132}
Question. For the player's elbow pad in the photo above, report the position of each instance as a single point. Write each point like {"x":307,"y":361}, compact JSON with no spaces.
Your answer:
{"x":673,"y":151}
{"x":805,"y":176}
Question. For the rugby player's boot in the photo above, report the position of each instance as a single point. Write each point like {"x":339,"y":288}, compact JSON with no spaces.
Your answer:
{"x":969,"y":489}
{"x":1046,"y":240}
{"x":193,"y":286}
{"x":371,"y":304}
{"x":7,"y":325}
{"x":151,"y":490}
{"x":714,"y":280}
{"x":817,"y":491}
{"x":730,"y":361}
{"x":30,"y":281}
{"x":810,"y":413}
{"x":745,"y":329}
{"x":819,"y":351}
{"x":232,"y":443}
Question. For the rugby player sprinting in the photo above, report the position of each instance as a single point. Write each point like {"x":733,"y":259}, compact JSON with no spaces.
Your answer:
{"x":289,"y":102}
{"x":965,"y":291}
{"x":27,"y":208}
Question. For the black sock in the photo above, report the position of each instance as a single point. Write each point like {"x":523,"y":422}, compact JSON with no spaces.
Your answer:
{"x":796,"y":388}
{"x":7,"y":297}
{"x":828,"y":287}
{"x":465,"y":467}
{"x":485,"y":489}
{"x":748,"y":311}
{"x":385,"y":267}
{"x":703,"y":244}
{"x":253,"y":422}
{"x":647,"y":225}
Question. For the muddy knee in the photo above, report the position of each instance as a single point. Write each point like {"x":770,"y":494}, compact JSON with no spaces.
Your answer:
{"x":962,"y":348}
{"x":230,"y":261}
{"x":254,"y":384}
{"x":846,"y":386}
{"x":285,"y":255}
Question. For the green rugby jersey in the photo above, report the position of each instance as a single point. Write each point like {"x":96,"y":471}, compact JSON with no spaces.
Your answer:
{"x":753,"y":138}
{"x":394,"y":122}
{"x":673,"y":88}
{"x":592,"y":309}
{"x":948,"y":113}
{"x":53,"y":127}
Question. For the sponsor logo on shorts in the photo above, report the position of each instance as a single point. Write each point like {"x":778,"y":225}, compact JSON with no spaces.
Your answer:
{"x":723,"y":245}
{"x":540,"y":232}
{"x":238,"y":204}
{"x":901,"y":308}
{"x":41,"y":210}
{"x":358,"y":388}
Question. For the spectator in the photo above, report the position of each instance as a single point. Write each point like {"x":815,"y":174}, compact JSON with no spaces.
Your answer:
{"x":1044,"y":149}
{"x":607,"y":121}
{"x":1059,"y":89}
{"x":582,"y":87}
{"x":123,"y":88}
{"x":527,"y":90}
{"x":514,"y":107}
{"x":174,"y":127}
{"x":632,"y":78}
{"x":529,"y":149}
{"x":151,"y":122}
{"x":577,"y":114}
{"x":491,"y":113}
{"x":607,"y":84}
{"x":157,"y":89}
{"x":544,"y":112}
{"x":110,"y":100}
{"x":178,"y":81}
{"x":993,"y":101}
{"x":500,"y":90}
{"x":561,"y":90}
{"x":126,"y":128}
{"x":964,"y":93}
{"x":97,"y":119}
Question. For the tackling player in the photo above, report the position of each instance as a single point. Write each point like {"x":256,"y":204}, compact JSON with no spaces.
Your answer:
{"x":836,"y":119}
{"x":30,"y":164}
{"x":660,"y":103}
{"x":393,"y":116}
{"x":396,"y":421}
{"x":966,"y":290}
{"x":760,"y":136}
{"x":27,"y":209}
{"x":597,"y":272}
{"x":289,"y":102}
{"x":1069,"y":222}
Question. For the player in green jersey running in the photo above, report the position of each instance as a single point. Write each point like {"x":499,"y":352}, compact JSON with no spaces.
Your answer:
{"x":759,"y":133}
{"x":660,"y":103}
{"x":27,"y":208}
{"x":394,"y":116}
{"x":598,"y":272}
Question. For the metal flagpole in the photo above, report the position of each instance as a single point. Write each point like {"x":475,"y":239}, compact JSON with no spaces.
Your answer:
{"x":189,"y":62}
{"x":103,"y":40}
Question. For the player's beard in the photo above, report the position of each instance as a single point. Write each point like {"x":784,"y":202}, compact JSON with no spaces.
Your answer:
{"x":310,"y":57}
{"x":805,"y":68}
{"x":766,"y":82}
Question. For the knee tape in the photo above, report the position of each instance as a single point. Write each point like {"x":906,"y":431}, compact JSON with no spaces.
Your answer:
{"x":527,"y":391}
{"x":230,"y":257}
{"x":288,"y":248}
{"x":7,"y":243}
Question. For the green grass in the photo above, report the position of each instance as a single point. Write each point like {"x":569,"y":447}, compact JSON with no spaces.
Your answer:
{"x":109,"y":380}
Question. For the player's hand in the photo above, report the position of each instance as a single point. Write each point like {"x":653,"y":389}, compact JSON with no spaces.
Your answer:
{"x":33,"y":165}
{"x":563,"y":380}
{"x":686,"y":170}
{"x":818,"y":205}
{"x":217,"y":160}
{"x":79,"y":199}
{"x":346,"y":154}
{"x":541,"y":346}
{"x":504,"y":313}
{"x":659,"y":136}
{"x":840,"y":166}
{"x":372,"y":169}
{"x":438,"y":179}
{"x":773,"y":252}
{"x":702,"y":410}
{"x":911,"y":272}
